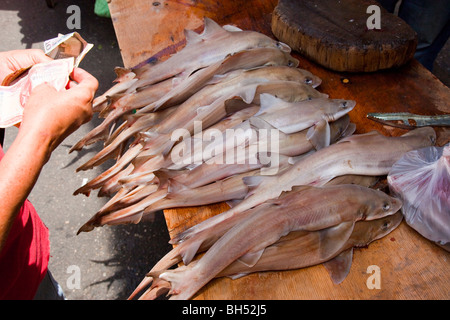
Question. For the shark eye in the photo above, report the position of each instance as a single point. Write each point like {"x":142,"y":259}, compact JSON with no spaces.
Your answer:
{"x":290,"y":63}
{"x":385,"y":225}
{"x":386,"y":207}
{"x":344,"y":105}
{"x":308,"y":81}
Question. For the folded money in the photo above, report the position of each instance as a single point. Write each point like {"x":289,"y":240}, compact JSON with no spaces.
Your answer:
{"x":14,"y":97}
{"x":66,"y":46}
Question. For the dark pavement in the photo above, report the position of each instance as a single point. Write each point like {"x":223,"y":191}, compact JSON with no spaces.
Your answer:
{"x":111,"y":261}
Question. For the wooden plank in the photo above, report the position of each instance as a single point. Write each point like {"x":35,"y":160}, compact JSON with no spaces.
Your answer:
{"x":411,"y":267}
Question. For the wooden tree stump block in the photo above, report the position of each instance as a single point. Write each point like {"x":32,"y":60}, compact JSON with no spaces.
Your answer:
{"x":335,"y":34}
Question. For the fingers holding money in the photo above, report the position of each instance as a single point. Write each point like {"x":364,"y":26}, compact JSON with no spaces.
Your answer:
{"x":65,"y":112}
{"x":84,"y":82}
{"x":11,"y":61}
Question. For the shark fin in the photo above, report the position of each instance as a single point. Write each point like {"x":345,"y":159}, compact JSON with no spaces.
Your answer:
{"x":270,"y":103}
{"x":123,"y":74}
{"x":254,"y":182}
{"x":215,"y":79}
{"x":176,"y":277}
{"x":339,"y":267}
{"x":231,"y":28}
{"x":192,"y":38}
{"x":251,"y":258}
{"x":212,"y":29}
{"x":237,"y":275}
{"x":260,"y":123}
{"x":351,"y":128}
{"x":113,"y":98}
{"x":241,"y":100}
{"x":175,"y":186}
{"x":249,"y":94}
{"x":157,"y":143}
{"x":164,"y":175}
{"x":233,"y":203}
{"x":295,"y":159}
{"x":332,"y":239}
{"x":165,"y":178}
{"x":319,"y":134}
{"x":189,"y":253}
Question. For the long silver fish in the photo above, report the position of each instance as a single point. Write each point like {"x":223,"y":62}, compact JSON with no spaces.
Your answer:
{"x":244,"y":157}
{"x":174,"y":256}
{"x":293,"y":144}
{"x":233,"y":82}
{"x":214,"y":44}
{"x":246,"y":59}
{"x":366,"y":154}
{"x":185,"y":152}
{"x":230,"y":188}
{"x":287,"y":90}
{"x":335,"y":208}
{"x":299,"y":249}
{"x":209,"y":115}
{"x":315,"y":114}
{"x":290,"y":145}
{"x":298,"y":143}
{"x":187,"y":114}
{"x":302,"y":249}
{"x":191,"y":182}
{"x":279,"y":113}
{"x":125,"y":78}
{"x":218,"y":43}
{"x":120,"y":105}
{"x":200,"y":176}
{"x":142,"y":171}
{"x":140,"y":123}
{"x":240,"y":83}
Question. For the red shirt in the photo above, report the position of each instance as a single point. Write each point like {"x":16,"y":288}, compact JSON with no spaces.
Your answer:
{"x":24,"y":258}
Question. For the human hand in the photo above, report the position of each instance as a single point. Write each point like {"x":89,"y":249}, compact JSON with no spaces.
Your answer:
{"x":11,"y":61}
{"x":53,"y":115}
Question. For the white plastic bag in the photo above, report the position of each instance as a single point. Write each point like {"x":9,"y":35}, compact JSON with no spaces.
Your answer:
{"x":421,"y":179}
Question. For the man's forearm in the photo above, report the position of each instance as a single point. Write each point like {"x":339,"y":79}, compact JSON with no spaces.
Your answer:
{"x":19,"y":170}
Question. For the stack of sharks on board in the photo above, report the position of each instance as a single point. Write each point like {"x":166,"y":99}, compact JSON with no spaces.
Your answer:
{"x":306,"y":202}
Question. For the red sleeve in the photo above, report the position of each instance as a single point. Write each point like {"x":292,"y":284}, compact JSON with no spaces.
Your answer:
{"x":24,"y":258}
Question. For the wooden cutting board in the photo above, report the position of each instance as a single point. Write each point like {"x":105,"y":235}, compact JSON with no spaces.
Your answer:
{"x":336,"y":34}
{"x":410,"y":266}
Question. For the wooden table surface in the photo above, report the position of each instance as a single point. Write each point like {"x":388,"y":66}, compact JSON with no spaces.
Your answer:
{"x":411,"y":267}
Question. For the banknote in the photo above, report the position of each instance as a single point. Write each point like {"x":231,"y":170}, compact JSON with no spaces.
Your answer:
{"x":66,"y":50}
{"x":14,"y":97}
{"x":68,"y":45}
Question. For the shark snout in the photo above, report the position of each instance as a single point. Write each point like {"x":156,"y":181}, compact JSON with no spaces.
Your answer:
{"x":396,"y":205}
